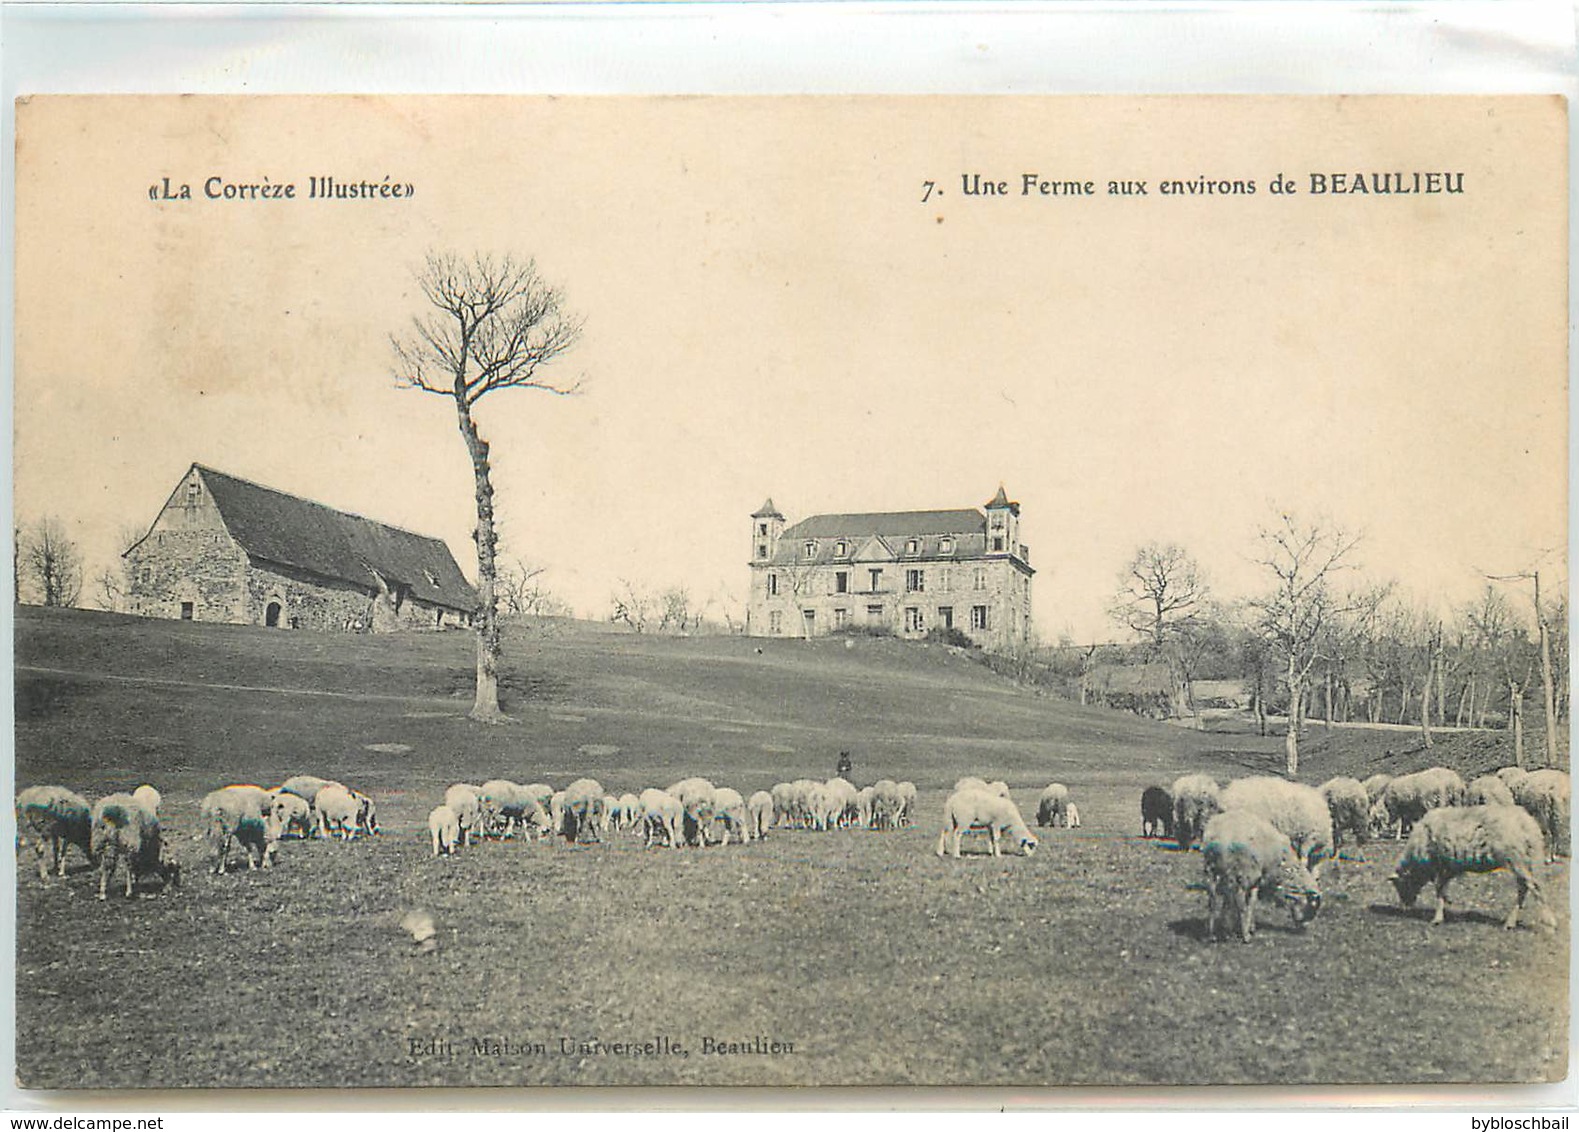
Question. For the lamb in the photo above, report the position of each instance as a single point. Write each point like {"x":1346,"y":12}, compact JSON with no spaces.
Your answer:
{"x":1297,"y":811}
{"x":980,"y":809}
{"x":245,"y":814}
{"x":1053,"y":805}
{"x":124,"y":829}
{"x":1410,"y":796}
{"x":148,"y":798}
{"x":1156,"y":812}
{"x":1488,"y":790}
{"x":729,"y":810}
{"x":1245,"y":856}
{"x":663,"y":813}
{"x":1194,"y":802}
{"x":58,"y":818}
{"x":466,"y":801}
{"x":1350,"y":809}
{"x":338,"y":810}
{"x":291,"y":811}
{"x":444,"y":826}
{"x":1545,"y":795}
{"x":581,"y":812}
{"x":1450,"y":841}
{"x":1072,"y":817}
{"x":759,"y":811}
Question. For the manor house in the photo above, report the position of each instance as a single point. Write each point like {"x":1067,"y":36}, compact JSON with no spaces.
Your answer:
{"x":226,"y":549}
{"x":904,"y":572}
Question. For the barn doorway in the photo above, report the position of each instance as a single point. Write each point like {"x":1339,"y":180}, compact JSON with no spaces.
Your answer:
{"x":271,"y":615}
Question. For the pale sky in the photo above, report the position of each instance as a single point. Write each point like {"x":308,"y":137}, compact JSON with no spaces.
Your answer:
{"x":771,"y":309}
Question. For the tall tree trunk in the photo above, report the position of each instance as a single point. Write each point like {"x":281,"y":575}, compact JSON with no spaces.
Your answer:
{"x":486,"y":706}
{"x":1546,"y":677}
{"x":1466,"y":698}
{"x":1425,"y":704}
{"x":1296,"y":696}
{"x":1327,"y":693}
{"x":1516,"y":721}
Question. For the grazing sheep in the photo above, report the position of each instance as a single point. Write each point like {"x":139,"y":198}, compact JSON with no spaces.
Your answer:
{"x":444,"y":826}
{"x":1410,"y":796}
{"x":1245,"y":856}
{"x":1488,"y":790}
{"x":844,"y":800}
{"x":244,"y":814}
{"x":500,"y":802}
{"x":863,"y":801}
{"x":305,"y":786}
{"x":759,"y":811}
{"x":1545,"y":795}
{"x":58,"y":818}
{"x":729,"y":810}
{"x":148,"y":798}
{"x":783,"y":794}
{"x":970,"y":782}
{"x":581,"y":812}
{"x":1511,"y":775}
{"x":540,"y":792}
{"x":887,"y":804}
{"x":125,"y":830}
{"x":907,"y":812}
{"x":1453,"y":840}
{"x":1194,"y":803}
{"x":556,"y":810}
{"x":292,"y":812}
{"x":696,"y":800}
{"x":982,"y":810}
{"x":630,"y":811}
{"x":663,"y":813}
{"x":466,"y":800}
{"x":338,"y":809}
{"x":1053,"y":805}
{"x":1350,"y":809}
{"x":1156,"y":812}
{"x":1000,"y":788}
{"x":1297,"y":811}
{"x":1375,"y":785}
{"x":1072,"y":816}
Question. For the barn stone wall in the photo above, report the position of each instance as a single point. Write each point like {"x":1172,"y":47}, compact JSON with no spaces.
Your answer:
{"x":203,"y":567}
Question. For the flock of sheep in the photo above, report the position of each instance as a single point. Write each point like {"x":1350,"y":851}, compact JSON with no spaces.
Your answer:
{"x":1270,"y":837}
{"x":1258,"y":836}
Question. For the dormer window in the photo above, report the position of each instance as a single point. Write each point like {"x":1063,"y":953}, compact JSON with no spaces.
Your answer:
{"x":811,"y":548}
{"x":841,"y":549}
{"x":433,"y":579}
{"x":946,"y":545}
{"x":913,"y":546}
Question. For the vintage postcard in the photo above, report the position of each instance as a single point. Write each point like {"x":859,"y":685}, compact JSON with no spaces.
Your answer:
{"x":785,"y":591}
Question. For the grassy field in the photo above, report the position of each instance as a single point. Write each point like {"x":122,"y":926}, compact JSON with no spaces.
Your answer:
{"x":862,"y":955}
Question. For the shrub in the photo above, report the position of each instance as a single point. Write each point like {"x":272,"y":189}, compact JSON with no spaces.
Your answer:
{"x":950,"y":636}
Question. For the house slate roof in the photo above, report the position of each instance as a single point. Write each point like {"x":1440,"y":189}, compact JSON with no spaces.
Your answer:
{"x":293,"y":531}
{"x":891,"y":531}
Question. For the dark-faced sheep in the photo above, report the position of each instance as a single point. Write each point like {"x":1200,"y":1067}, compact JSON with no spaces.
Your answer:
{"x":125,"y":832}
{"x":55,"y":818}
{"x":1194,"y":803}
{"x":1245,"y":856}
{"x":1156,"y":812}
{"x":980,"y":810}
{"x":1446,"y":843}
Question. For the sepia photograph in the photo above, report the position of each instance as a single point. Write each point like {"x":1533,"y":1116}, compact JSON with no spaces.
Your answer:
{"x":843,"y":590}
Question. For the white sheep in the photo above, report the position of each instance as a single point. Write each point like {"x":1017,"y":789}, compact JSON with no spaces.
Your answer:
{"x":55,"y":817}
{"x":863,"y":802}
{"x":466,"y":800}
{"x":846,"y":798}
{"x":1072,"y":816}
{"x":630,"y":811}
{"x":1544,"y":794}
{"x":499,"y":801}
{"x":759,"y":811}
{"x":1297,"y":811}
{"x":338,"y":810}
{"x":662,"y":813}
{"x":148,"y":798}
{"x":244,"y":814}
{"x":1350,"y":809}
{"x":125,"y":831}
{"x":1053,"y":805}
{"x":1000,"y":788}
{"x":907,"y":812}
{"x":1410,"y":796}
{"x":970,"y":782}
{"x":1511,"y":775}
{"x":887,"y":804}
{"x":1450,"y":841}
{"x":291,"y":811}
{"x":444,"y":827}
{"x":1488,"y":790}
{"x":729,"y":811}
{"x":556,"y":810}
{"x":305,"y":786}
{"x":696,"y":798}
{"x":969,"y":810}
{"x":1245,"y":856}
{"x":581,"y":811}
{"x":1375,"y":785}
{"x":1194,"y":803}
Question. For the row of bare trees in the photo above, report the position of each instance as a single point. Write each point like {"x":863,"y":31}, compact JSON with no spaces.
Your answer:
{"x":673,"y":609}
{"x":1320,"y":640}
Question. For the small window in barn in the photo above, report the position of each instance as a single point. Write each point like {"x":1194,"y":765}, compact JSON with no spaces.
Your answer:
{"x":433,"y":579}
{"x":187,"y":609}
{"x":193,"y":490}
{"x":438,"y":618}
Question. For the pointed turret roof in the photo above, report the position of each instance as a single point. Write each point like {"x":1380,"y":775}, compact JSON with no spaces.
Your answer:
{"x":767,"y":511}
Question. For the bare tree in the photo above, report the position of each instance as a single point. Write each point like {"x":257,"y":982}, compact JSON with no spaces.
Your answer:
{"x":49,"y":563}
{"x":494,"y":324}
{"x":630,"y":604}
{"x":1543,"y":635}
{"x":1161,"y":591}
{"x":520,"y":588}
{"x":674,"y":610}
{"x":1294,"y":615}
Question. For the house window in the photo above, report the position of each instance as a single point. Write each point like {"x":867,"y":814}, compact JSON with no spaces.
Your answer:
{"x":186,"y":611}
{"x":762,"y":550}
{"x":946,"y":546}
{"x":841,"y":582}
{"x":840,"y":549}
{"x":811,"y":548}
{"x":913,"y":546}
{"x":946,"y":616}
{"x":981,"y":578}
{"x":874,"y":615}
{"x":811,"y":620}
{"x":997,"y":543}
{"x":841,"y":618}
{"x":776,"y":622}
{"x":877,"y":578}
{"x":978,"y":617}
{"x":913,"y":620}
{"x":915,"y":581}
{"x":773,"y":585}
{"x":762,"y":530}
{"x":944,"y":581}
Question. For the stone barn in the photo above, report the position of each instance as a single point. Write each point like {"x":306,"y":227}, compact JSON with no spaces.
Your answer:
{"x":225,"y":549}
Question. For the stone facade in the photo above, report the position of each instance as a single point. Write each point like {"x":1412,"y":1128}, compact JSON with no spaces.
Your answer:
{"x":193,"y":566}
{"x":905,"y":573}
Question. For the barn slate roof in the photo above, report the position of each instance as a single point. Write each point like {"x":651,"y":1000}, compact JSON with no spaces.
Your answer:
{"x":293,"y":531}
